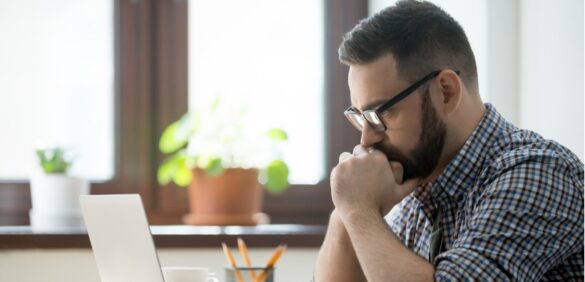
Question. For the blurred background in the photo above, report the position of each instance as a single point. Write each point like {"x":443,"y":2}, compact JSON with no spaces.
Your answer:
{"x":104,"y":78}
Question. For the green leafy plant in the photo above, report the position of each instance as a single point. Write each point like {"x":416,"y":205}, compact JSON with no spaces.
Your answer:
{"x":214,"y":139}
{"x":53,"y":160}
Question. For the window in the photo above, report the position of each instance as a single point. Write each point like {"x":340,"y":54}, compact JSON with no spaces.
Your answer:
{"x":258,"y":54}
{"x":150,"y":89}
{"x":57,"y":85}
{"x":121,"y":106}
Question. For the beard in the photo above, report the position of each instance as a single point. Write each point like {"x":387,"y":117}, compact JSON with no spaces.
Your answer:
{"x":423,"y":159}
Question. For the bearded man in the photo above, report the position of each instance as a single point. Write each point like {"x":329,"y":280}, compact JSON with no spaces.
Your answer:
{"x":442,"y":187}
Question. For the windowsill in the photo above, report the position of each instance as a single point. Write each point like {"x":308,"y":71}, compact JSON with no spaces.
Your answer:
{"x":171,"y":236}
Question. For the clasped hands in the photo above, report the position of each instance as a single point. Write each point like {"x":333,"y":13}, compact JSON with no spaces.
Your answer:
{"x":366,"y":182}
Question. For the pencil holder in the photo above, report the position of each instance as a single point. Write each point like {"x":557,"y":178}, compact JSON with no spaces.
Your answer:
{"x":246,"y":274}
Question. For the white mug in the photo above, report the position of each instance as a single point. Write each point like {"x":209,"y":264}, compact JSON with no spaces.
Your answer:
{"x":187,"y":274}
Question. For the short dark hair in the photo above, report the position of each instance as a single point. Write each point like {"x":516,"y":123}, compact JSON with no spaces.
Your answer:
{"x":421,"y":37}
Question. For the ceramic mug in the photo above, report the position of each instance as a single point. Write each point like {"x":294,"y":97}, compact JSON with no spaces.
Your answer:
{"x":187,"y":274}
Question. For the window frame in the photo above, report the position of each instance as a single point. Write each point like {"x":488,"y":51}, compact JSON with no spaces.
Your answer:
{"x":151,"y":91}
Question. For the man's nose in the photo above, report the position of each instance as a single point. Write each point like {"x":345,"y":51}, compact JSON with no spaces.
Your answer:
{"x":370,"y":136}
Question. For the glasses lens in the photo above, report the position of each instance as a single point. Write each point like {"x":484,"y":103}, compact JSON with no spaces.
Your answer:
{"x":374,"y":120}
{"x":356,"y":120}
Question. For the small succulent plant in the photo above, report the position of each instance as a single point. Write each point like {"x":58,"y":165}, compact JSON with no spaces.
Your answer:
{"x":53,"y":160}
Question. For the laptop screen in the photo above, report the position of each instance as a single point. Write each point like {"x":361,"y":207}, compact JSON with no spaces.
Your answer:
{"x":120,"y":238}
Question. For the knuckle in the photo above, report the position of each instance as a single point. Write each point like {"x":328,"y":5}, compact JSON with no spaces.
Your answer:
{"x":378,"y":155}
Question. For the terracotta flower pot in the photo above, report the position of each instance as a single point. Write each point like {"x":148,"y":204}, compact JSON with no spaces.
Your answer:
{"x":231,"y":198}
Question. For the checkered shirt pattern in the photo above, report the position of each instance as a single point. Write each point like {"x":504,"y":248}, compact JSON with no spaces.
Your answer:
{"x":512,"y":207}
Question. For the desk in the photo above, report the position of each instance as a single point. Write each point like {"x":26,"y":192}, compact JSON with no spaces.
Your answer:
{"x":64,"y":255}
{"x":171,"y":236}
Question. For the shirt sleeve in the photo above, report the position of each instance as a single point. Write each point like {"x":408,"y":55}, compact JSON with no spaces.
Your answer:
{"x":528,"y":219}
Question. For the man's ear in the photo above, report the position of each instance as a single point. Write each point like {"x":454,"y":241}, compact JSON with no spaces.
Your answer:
{"x":451,"y":91}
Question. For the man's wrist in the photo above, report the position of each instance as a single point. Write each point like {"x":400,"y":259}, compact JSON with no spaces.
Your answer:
{"x":337,"y":228}
{"x":360,"y":216}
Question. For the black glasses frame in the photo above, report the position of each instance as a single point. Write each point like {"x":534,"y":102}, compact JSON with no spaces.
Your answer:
{"x":372,"y":117}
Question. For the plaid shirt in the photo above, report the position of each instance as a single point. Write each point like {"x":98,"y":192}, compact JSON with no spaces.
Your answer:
{"x":512,"y":209}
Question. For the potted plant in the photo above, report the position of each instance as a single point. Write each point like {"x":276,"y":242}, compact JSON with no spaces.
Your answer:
{"x":223,"y":164}
{"x":54,"y":194}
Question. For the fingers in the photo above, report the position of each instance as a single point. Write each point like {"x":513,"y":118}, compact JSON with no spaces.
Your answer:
{"x":398,"y":171}
{"x":359,"y":150}
{"x":345,"y":156}
{"x":408,"y":186}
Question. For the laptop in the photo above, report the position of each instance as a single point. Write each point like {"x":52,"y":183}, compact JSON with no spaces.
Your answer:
{"x":120,"y":238}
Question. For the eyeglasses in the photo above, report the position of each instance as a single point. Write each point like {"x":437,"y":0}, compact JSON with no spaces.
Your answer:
{"x":373,"y":118}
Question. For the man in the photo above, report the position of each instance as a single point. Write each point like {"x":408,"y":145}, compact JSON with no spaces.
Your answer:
{"x":473,"y":198}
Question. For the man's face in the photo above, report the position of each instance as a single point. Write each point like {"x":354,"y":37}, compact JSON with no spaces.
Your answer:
{"x":415,"y":134}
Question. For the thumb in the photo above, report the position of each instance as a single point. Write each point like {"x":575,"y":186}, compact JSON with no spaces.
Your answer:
{"x":398,"y":171}
{"x":407,"y":187}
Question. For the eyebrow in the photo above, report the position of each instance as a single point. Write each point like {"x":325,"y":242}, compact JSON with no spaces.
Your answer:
{"x":372,"y":105}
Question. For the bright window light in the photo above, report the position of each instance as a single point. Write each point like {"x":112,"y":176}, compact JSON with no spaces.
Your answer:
{"x":57,"y":84}
{"x":267,"y":56}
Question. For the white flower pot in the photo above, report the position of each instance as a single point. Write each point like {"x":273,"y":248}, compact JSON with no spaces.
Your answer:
{"x":55,"y":201}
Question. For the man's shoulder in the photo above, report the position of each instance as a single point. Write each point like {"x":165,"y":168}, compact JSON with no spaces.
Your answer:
{"x":520,"y":149}
{"x":524,"y":163}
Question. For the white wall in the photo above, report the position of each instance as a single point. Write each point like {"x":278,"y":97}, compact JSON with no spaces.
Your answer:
{"x":502,"y":57}
{"x":530,"y":61}
{"x":551,"y":70}
{"x":77,"y":265}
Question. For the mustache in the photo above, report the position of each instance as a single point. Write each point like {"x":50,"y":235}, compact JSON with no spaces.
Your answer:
{"x":391,"y":153}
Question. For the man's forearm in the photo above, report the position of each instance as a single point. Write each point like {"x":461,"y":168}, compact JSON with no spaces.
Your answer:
{"x":337,"y":260}
{"x":382,"y":255}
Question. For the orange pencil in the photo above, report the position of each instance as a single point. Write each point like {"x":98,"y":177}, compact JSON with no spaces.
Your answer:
{"x":244,"y":253}
{"x":271,"y":262}
{"x":232,"y":261}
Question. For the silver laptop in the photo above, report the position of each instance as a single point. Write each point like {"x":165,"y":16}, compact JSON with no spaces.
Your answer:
{"x":120,"y":238}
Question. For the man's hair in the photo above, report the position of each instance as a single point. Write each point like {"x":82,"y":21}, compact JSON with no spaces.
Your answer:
{"x":421,"y":37}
